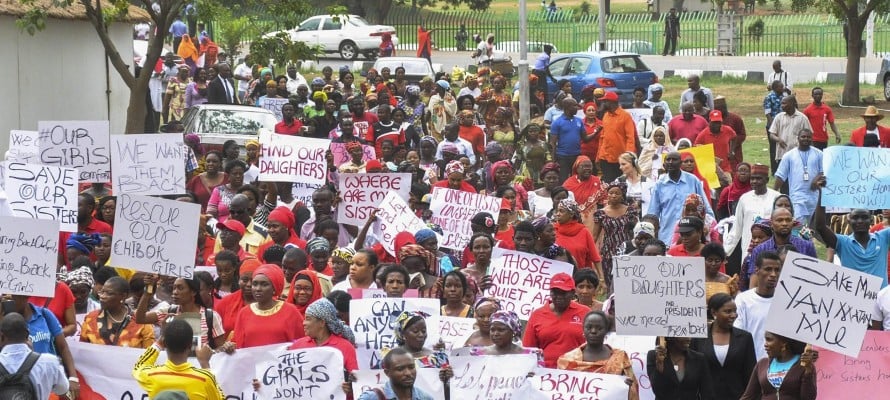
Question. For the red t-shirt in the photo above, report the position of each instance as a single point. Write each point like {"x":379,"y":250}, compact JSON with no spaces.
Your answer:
{"x":554,"y":335}
{"x":61,"y":301}
{"x":475,"y":136}
{"x":350,"y":362}
{"x":364,"y":126}
{"x":505,"y":238}
{"x":680,"y":128}
{"x":720,"y":142}
{"x":819,"y":116}
{"x":293,"y":129}
{"x":253,"y":330}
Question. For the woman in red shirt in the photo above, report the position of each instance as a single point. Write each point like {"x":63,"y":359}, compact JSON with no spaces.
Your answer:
{"x":692,"y":238}
{"x":454,"y":172}
{"x":229,"y":306}
{"x":324,"y":328}
{"x":574,"y":236}
{"x":268,"y":320}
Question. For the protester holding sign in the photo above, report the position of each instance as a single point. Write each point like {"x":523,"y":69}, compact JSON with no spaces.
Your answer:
{"x":410,"y":332}
{"x":676,"y":372}
{"x":557,"y":327}
{"x":324,"y":328}
{"x":597,"y":357}
{"x":505,"y":331}
{"x":728,"y":350}
{"x":788,"y":373}
{"x":177,"y":373}
{"x":112,"y":325}
{"x":399,"y":367}
{"x":188,"y":305}
{"x":482,"y":312}
{"x":454,"y":289}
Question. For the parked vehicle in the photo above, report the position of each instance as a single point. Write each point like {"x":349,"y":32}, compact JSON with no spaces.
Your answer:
{"x":346,"y":35}
{"x":884,"y":76}
{"x":415,"y":68}
{"x":625,"y":45}
{"x":614,"y":72}
{"x":217,"y":123}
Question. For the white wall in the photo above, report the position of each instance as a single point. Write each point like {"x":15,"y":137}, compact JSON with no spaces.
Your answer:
{"x":59,"y":74}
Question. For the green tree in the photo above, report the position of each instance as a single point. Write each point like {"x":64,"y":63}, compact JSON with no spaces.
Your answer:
{"x":282,"y":49}
{"x":376,"y":11}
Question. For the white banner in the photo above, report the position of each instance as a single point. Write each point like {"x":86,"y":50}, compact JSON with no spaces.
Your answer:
{"x":639,"y":114}
{"x":394,"y":216}
{"x":83,"y":145}
{"x":490,"y":377}
{"x":155,"y":235}
{"x":315,"y":373}
{"x":823,"y":304}
{"x":662,"y":296}
{"x":29,"y":251}
{"x":427,"y":380}
{"x":373,"y":321}
{"x":453,"y":209}
{"x":152,"y":164}
{"x":637,"y":349}
{"x":559,"y":384}
{"x":362,"y":193}
{"x":454,"y":331}
{"x":274,"y":105}
{"x":522,"y":281}
{"x":286,"y":158}
{"x":24,"y":147}
{"x":43,"y":192}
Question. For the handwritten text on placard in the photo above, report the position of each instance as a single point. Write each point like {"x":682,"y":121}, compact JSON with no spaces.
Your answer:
{"x":362,"y":193}
{"x":490,"y":377}
{"x":522,"y":281}
{"x":453,"y":209}
{"x":341,"y":156}
{"x":843,"y":377}
{"x":24,"y":146}
{"x":315,"y":373}
{"x":28,"y":256}
{"x":857,"y":177}
{"x":286,"y":158}
{"x":394,"y":216}
{"x":148,"y":164}
{"x":77,"y":144}
{"x":373,"y":321}
{"x":560,"y":384}
{"x":43,"y":192}
{"x":274,"y":105}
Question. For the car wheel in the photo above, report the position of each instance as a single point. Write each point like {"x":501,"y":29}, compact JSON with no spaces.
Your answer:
{"x":371,"y":55}
{"x":887,"y":88}
{"x":348,"y":50}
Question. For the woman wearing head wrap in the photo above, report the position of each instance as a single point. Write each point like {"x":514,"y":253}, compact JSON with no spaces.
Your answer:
{"x":505,"y":331}
{"x":341,"y":259}
{"x":730,"y":196}
{"x":81,"y":244}
{"x":323,"y":327}
{"x":540,"y":201}
{"x":574,"y":236}
{"x":598,"y":357}
{"x":504,"y":131}
{"x":189,"y":52}
{"x":694,"y":206}
{"x":305,"y":288}
{"x":410,"y":333}
{"x":412,"y":106}
{"x":229,"y":306}
{"x":80,"y":281}
{"x":111,"y":323}
{"x":455,"y":178}
{"x":422,"y":269}
{"x":257,"y":87}
{"x":653,"y":153}
{"x":501,"y":174}
{"x":586,"y":187}
{"x":482,"y":311}
{"x":688,"y":164}
{"x":187,"y":304}
{"x":494,"y":97}
{"x":268,"y":320}
{"x":614,"y":222}
{"x":280,"y":226}
{"x":319,"y":251}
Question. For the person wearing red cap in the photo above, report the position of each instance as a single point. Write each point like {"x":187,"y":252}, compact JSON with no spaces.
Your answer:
{"x":229,"y":306}
{"x":722,"y":137}
{"x":280,"y":226}
{"x":618,"y":135}
{"x":230,"y":233}
{"x":268,"y":320}
{"x":557,"y":327}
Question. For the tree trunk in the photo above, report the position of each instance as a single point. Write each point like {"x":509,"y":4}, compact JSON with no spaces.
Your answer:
{"x":854,"y":49}
{"x":136,"y":107}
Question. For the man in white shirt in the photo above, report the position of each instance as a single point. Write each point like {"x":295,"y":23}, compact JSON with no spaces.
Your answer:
{"x":453,"y":142}
{"x":779,"y":75}
{"x":47,"y":375}
{"x":753,"y":304}
{"x":645,"y":127}
{"x":880,"y":316}
{"x":787,"y":125}
{"x":694,"y":85}
{"x":294,"y":79}
{"x":757,"y":203}
{"x":243,"y":74}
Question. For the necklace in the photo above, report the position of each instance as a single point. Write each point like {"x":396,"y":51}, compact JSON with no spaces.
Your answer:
{"x":116,"y":320}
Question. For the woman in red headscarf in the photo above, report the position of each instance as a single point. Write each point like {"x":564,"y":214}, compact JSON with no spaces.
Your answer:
{"x":189,"y":52}
{"x":591,"y":122}
{"x":730,"y":196}
{"x":587,"y":188}
{"x":304,"y":290}
{"x":229,"y":306}
{"x":688,"y":164}
{"x":280,"y":226}
{"x":387,"y":48}
{"x":454,"y":172}
{"x":268,"y":320}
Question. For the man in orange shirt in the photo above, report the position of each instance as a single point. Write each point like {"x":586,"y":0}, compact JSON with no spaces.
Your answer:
{"x":721,"y":136}
{"x":619,"y":135}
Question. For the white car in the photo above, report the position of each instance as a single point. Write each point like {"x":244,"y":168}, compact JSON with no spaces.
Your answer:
{"x":348,"y":35}
{"x":217,"y":123}
{"x":415,"y":68}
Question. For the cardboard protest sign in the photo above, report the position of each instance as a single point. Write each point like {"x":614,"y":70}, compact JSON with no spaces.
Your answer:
{"x":453,"y":209}
{"x":823,"y":304}
{"x":857,"y":177}
{"x":843,"y":377}
{"x":341,"y":156}
{"x":647,"y":188}
{"x":639,"y":114}
{"x":661,"y":296}
{"x":43,"y":192}
{"x":522,"y":281}
{"x":704,"y":161}
{"x":362,"y":193}
{"x":274,"y":105}
{"x":303,"y":192}
{"x":373,"y":321}
{"x":490,"y":377}
{"x":637,"y":348}
{"x":314,"y":373}
{"x":29,"y":252}
{"x":394,"y":216}
{"x":427,"y":380}
{"x":454,"y":331}
{"x":24,"y":147}
{"x":155,"y":235}
{"x":82,"y":145}
{"x":286,"y":158}
{"x":559,"y":384}
{"x":152,"y":164}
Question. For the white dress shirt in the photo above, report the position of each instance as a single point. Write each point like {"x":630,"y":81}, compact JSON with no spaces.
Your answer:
{"x":46,"y":376}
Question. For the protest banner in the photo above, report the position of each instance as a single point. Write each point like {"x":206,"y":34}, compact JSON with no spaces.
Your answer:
{"x":286,"y":158}
{"x":394,"y":216}
{"x":155,"y":235}
{"x":661,"y":296}
{"x":373,"y":321}
{"x":362,"y":193}
{"x":24,"y":147}
{"x":453,"y":209}
{"x":29,"y":252}
{"x":454,"y":331}
{"x":490,"y":377}
{"x":840,"y":376}
{"x":856,"y":177}
{"x":639,"y":114}
{"x":559,"y":384}
{"x":274,"y":105}
{"x":43,"y":192}
{"x":823,"y":304}
{"x":646,"y":196}
{"x":704,"y":161}
{"x":313,"y":373}
{"x":522,"y":280}
{"x":427,"y":380}
{"x":637,"y":348}
{"x":341,"y":156}
{"x":82,"y":145}
{"x":302,"y":192}
{"x":152,"y":164}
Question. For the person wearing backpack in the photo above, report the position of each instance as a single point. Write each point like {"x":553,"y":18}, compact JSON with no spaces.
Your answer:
{"x":25,"y":374}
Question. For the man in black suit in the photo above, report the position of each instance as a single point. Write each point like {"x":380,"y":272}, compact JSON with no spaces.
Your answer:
{"x":222,"y":90}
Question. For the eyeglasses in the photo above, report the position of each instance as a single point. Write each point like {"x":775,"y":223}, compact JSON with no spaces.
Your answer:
{"x":302,"y":288}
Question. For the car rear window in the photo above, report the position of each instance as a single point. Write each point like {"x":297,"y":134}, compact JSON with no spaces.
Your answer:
{"x":234,"y":121}
{"x":619,"y":64}
{"x":419,"y":67}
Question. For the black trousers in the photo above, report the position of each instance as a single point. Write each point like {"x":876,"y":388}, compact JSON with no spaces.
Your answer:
{"x":610,"y":171}
{"x":670,"y":45}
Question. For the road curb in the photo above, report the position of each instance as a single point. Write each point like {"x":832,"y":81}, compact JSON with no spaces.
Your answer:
{"x":750,"y":76}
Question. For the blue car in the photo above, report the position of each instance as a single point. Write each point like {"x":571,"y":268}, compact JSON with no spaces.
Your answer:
{"x":614,"y":72}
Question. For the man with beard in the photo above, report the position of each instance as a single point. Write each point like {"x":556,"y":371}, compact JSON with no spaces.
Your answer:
{"x":363,"y":122}
{"x":254,"y":234}
{"x":400,"y":368}
{"x":799,"y":168}
{"x":289,"y":125}
{"x":782,"y":222}
{"x":753,"y":304}
{"x":669,"y":195}
{"x":722,"y":137}
{"x":752,"y":206}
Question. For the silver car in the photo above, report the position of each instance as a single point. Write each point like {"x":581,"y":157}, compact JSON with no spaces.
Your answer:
{"x":217,"y":123}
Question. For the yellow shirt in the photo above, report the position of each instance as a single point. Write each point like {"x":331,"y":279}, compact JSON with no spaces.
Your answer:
{"x":199,"y":383}
{"x":254,"y":236}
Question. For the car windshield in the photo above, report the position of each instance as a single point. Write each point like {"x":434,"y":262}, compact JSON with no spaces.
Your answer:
{"x":234,"y":122}
{"x":626,"y":63}
{"x":412,"y":67}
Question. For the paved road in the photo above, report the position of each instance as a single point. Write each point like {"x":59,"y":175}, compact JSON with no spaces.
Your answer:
{"x":802,"y":69}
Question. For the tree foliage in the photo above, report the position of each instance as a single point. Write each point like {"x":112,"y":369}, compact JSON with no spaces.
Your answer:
{"x":282,"y":49}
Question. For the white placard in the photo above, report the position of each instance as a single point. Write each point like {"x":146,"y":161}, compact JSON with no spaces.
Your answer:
{"x":455,"y":330}
{"x":490,"y":377}
{"x":303,"y":192}
{"x":155,"y":235}
{"x":823,"y":304}
{"x":373,"y":320}
{"x":82,"y":145}
{"x":639,"y":114}
{"x":24,"y":147}
{"x":522,"y":281}
{"x":637,"y":349}
{"x":559,"y":384}
{"x":29,"y":251}
{"x":427,"y":379}
{"x":362,"y":193}
{"x":285,"y":158}
{"x":394,"y":216}
{"x":43,"y":192}
{"x":148,"y":164}
{"x":313,"y":373}
{"x":274,"y":105}
{"x":453,"y":209}
{"x":662,"y":296}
